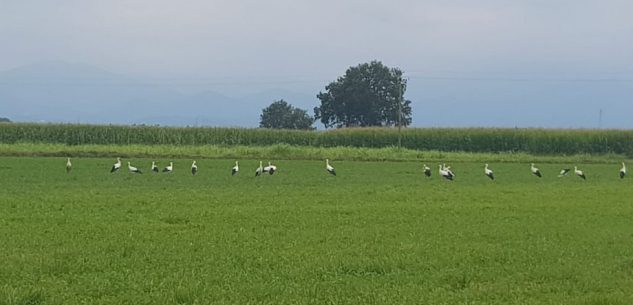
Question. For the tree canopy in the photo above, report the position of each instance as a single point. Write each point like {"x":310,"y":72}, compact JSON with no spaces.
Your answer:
{"x":370,"y":94}
{"x":281,"y":115}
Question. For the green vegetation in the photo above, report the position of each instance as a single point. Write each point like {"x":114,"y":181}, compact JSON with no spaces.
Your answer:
{"x":281,"y":115}
{"x":378,"y":233}
{"x":287,"y":152}
{"x":370,"y":94}
{"x":532,"y":141}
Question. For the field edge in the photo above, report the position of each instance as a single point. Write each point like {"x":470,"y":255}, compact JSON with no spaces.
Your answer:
{"x":288,"y":152}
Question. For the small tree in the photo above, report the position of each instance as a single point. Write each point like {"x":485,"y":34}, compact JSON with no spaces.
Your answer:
{"x":281,"y":115}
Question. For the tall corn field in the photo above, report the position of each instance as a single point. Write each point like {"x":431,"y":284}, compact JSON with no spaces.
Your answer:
{"x":534,"y":141}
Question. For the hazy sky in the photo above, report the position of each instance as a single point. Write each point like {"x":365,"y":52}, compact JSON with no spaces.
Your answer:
{"x":308,"y":43}
{"x":289,"y":38}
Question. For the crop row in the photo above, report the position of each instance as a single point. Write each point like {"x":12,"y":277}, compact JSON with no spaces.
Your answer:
{"x":534,"y":141}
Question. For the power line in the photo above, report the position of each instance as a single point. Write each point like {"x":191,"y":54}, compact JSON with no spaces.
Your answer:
{"x":522,"y":79}
{"x":289,"y":82}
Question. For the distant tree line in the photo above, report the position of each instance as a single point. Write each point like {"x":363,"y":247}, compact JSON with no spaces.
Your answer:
{"x":370,"y":94}
{"x":4,"y":120}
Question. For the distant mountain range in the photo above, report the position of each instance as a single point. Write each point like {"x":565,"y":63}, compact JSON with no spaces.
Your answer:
{"x":80,"y":93}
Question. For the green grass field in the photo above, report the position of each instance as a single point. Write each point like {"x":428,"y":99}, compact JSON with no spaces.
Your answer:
{"x":378,"y":233}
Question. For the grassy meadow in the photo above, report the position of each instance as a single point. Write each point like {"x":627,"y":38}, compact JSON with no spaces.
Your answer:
{"x":378,"y":233}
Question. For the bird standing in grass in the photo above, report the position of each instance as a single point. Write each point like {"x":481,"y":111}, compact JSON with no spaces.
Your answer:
{"x":259,"y":170}
{"x":489,"y":172}
{"x":154,"y":167}
{"x":235,"y":169}
{"x":447,"y":174}
{"x":427,"y":171}
{"x":69,"y":166}
{"x":579,"y":173}
{"x":448,"y":169}
{"x":329,"y":167}
{"x":116,"y":166}
{"x":169,"y":168}
{"x":271,"y":169}
{"x":194,"y":168}
{"x":564,"y":172}
{"x":536,"y":171}
{"x":133,"y":169}
{"x":623,"y":171}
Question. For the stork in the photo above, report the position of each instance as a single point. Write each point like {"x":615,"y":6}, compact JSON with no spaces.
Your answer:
{"x":194,"y":168}
{"x":445,"y":173}
{"x":536,"y":171}
{"x":133,"y":169}
{"x":271,"y":169}
{"x":427,"y":171}
{"x":259,"y":170}
{"x":448,"y":169}
{"x":579,"y":173}
{"x":235,"y":169}
{"x":489,"y":172}
{"x":564,"y":172}
{"x":329,"y":167}
{"x":116,"y":165}
{"x":623,"y":171}
{"x":169,"y":168}
{"x":69,"y":166}
{"x":154,"y":167}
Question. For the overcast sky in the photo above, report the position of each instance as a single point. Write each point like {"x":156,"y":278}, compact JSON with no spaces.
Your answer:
{"x":311,"y":42}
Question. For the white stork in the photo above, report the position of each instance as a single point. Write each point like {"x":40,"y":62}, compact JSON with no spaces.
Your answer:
{"x":448,"y":169}
{"x":154,"y":167}
{"x":235,"y":169}
{"x":194,"y":168}
{"x":535,"y":171}
{"x":564,"y":172}
{"x":69,"y":166}
{"x":445,"y":173}
{"x":329,"y":167}
{"x":169,"y":168}
{"x":271,"y":169}
{"x":489,"y":172}
{"x":259,"y":170}
{"x":116,"y":165}
{"x":427,"y":171}
{"x":579,"y":173}
{"x":133,"y":169}
{"x":623,"y":171}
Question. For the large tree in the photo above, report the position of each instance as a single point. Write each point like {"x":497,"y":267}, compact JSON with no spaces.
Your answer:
{"x":370,"y":94}
{"x":282,"y":115}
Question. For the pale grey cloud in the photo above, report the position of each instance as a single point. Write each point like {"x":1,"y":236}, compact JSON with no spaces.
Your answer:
{"x":297,"y":37}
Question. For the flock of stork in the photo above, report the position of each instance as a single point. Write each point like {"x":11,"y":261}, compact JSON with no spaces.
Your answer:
{"x":447,"y":173}
{"x":444,"y":171}
{"x":270,"y":169}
